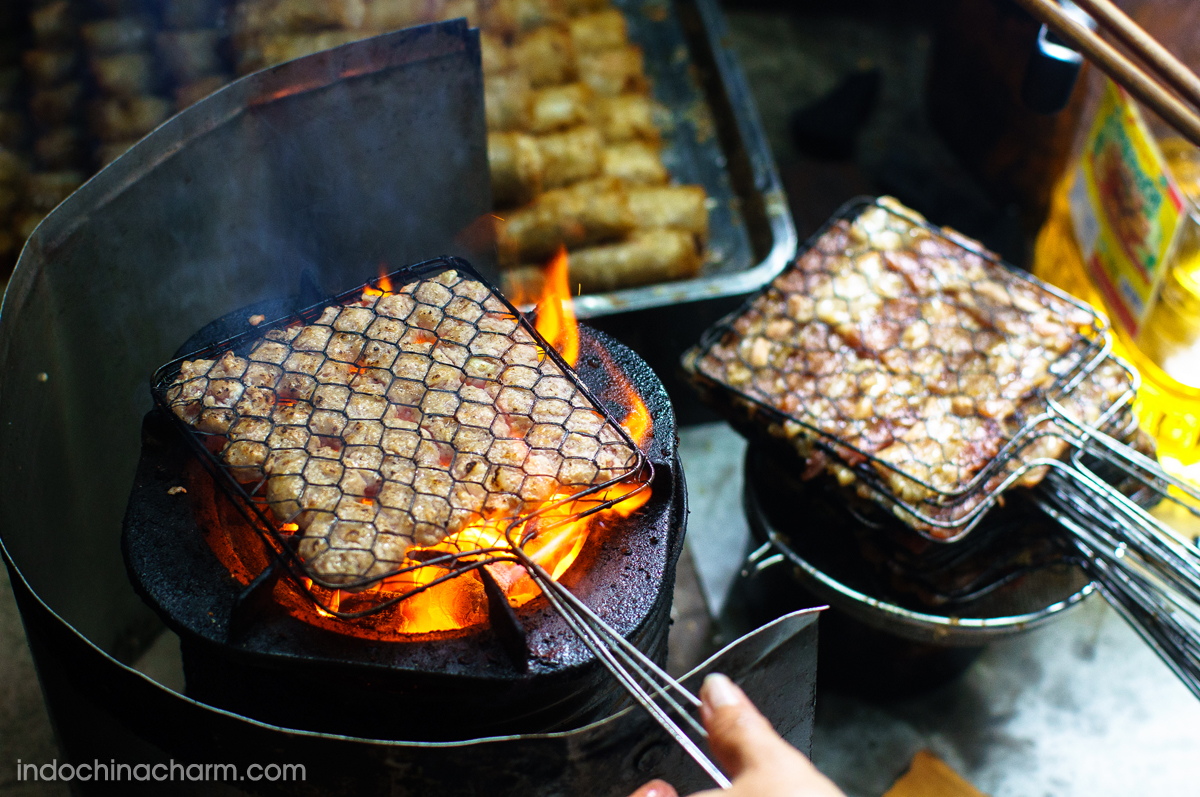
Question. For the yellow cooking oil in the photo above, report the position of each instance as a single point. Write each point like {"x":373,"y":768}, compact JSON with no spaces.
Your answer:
{"x":1167,"y":351}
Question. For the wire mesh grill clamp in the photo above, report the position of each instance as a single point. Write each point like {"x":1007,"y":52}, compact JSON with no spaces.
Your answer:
{"x":405,"y":433}
{"x":931,"y":377}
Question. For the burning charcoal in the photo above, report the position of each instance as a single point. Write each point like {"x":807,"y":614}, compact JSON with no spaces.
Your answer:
{"x":399,"y":445}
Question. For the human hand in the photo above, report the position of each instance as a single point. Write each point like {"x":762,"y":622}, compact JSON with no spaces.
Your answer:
{"x":747,"y":748}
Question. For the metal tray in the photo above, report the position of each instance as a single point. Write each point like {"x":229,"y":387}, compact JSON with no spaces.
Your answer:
{"x":712,"y":137}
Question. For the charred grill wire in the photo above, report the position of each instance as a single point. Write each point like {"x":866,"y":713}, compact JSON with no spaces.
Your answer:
{"x":356,"y":434}
{"x":916,"y":368}
{"x":362,"y":432}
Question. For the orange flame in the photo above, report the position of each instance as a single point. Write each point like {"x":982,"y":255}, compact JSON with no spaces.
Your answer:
{"x":556,"y":310}
{"x":553,"y":539}
{"x":381,"y":288}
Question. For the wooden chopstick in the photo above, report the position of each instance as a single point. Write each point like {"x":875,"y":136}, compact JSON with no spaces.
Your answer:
{"x":1145,"y":47}
{"x":1118,"y":67}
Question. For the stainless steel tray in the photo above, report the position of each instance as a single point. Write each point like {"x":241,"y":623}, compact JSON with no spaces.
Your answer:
{"x":713,"y":137}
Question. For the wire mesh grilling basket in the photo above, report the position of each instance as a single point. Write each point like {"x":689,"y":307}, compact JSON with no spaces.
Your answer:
{"x":407,"y":432}
{"x":395,"y":430}
{"x":928,"y":376}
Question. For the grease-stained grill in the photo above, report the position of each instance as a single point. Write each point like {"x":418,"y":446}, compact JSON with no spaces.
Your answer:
{"x":910,"y":361}
{"x":388,"y":431}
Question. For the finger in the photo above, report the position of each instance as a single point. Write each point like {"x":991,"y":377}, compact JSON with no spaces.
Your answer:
{"x":656,"y":788}
{"x":739,"y":736}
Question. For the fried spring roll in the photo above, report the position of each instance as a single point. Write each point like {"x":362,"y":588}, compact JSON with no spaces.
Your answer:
{"x":8,"y":200}
{"x":60,"y":148}
{"x":566,"y":216}
{"x":53,"y":107}
{"x":184,"y":14}
{"x":626,"y":118}
{"x":496,"y":55}
{"x":545,"y":56}
{"x":559,"y":107}
{"x":44,"y":190}
{"x":197,"y":90}
{"x":110,"y":151}
{"x":26,"y":222}
{"x":275,"y":49}
{"x":507,"y":102}
{"x":120,"y":118}
{"x":8,"y":245}
{"x":12,"y":168}
{"x":120,"y":35}
{"x":11,"y":79}
{"x":453,"y":9}
{"x":53,"y":22}
{"x":571,"y":156}
{"x":508,"y":17}
{"x":394,"y":14}
{"x":189,"y":54}
{"x":298,"y":15}
{"x":578,"y":8}
{"x":647,"y":256}
{"x":604,"y":30}
{"x":47,"y":67}
{"x":679,"y":207}
{"x":635,"y":161}
{"x":515,"y":163}
{"x":612,"y":72}
{"x":124,"y":74}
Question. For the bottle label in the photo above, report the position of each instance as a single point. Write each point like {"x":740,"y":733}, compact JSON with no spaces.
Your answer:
{"x":1126,"y":209}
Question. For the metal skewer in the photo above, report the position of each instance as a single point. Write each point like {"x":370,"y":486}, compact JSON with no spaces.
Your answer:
{"x":629,"y":666}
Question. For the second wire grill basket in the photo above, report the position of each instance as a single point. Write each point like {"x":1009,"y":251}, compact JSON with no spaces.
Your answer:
{"x":988,"y":380}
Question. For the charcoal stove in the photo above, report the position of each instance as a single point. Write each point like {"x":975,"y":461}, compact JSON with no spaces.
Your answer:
{"x":246,"y":650}
{"x":329,"y":163}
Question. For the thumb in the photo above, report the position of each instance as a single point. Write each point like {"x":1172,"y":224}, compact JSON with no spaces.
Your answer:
{"x":739,"y":736}
{"x":656,"y":788}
